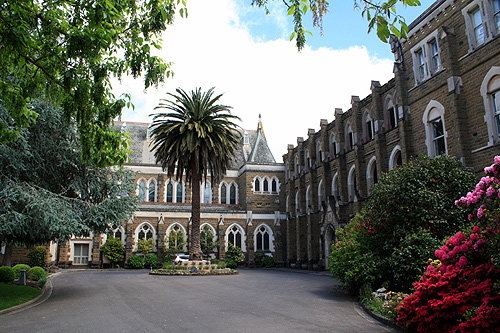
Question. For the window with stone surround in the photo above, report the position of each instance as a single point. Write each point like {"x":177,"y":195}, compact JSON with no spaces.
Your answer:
{"x":371,"y":173}
{"x":490,"y":90}
{"x":223,"y":193}
{"x":147,"y":190}
{"x":141,"y":190}
{"x":351,"y":184}
{"x":321,"y":195}
{"x":180,"y":193}
{"x":206,"y":194}
{"x":335,"y":187}
{"x":275,"y":185}
{"x":144,"y":231}
{"x":263,"y":238}
{"x":482,"y":22}
{"x":433,"y":120}
{"x":349,"y":137}
{"x":391,"y":115}
{"x":170,"y":192}
{"x":368,"y":127}
{"x":333,"y":146}
{"x":236,"y":235}
{"x":426,"y":58}
{"x":395,"y":159}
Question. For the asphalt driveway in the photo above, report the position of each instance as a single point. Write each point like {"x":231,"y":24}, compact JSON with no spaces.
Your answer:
{"x":134,"y":301}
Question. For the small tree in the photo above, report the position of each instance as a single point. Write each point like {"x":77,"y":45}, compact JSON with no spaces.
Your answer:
{"x":176,"y":239}
{"x":233,"y":256}
{"x":113,"y":249}
{"x":37,"y":256}
{"x":145,"y":246}
{"x":207,"y":241}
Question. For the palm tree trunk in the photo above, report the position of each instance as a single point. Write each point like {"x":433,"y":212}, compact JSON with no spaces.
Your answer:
{"x":195,"y":247}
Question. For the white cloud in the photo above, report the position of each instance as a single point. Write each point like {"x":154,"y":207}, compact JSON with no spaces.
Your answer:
{"x":292,"y":91}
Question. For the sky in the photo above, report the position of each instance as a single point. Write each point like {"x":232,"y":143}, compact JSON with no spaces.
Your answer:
{"x":248,"y":57}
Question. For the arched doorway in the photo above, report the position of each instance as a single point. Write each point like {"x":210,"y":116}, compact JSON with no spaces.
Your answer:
{"x":329,"y":238}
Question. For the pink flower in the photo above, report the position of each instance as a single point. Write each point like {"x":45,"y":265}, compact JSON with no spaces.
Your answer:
{"x":476,"y":230}
{"x":462,"y":262}
{"x":490,"y":191}
{"x":460,"y":237}
{"x":480,"y":212}
{"x":439,"y":254}
{"x":497,"y":159}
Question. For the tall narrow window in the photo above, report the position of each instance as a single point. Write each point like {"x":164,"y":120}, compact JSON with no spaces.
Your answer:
{"x":232,"y":194}
{"x":274,"y":186}
{"x":438,"y":137}
{"x":152,"y":191}
{"x":170,"y":189}
{"x":265,"y":185}
{"x":81,"y":254}
{"x":421,"y":64}
{"x":179,"y":192}
{"x":142,"y":190}
{"x":207,"y":193}
{"x":223,"y":199}
{"x":436,"y":63}
{"x":262,"y":239}
{"x":234,"y":236}
{"x":257,"y":185}
{"x":496,"y":13}
{"x":477,"y":24}
{"x":496,"y":108}
{"x":391,"y":112}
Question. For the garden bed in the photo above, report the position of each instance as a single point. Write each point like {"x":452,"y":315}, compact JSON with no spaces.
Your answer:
{"x":221,"y":271}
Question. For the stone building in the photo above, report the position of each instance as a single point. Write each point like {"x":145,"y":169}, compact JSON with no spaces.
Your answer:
{"x":444,"y":99}
{"x":243,"y":209}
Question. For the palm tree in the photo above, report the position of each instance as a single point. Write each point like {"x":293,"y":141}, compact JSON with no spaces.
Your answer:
{"x":195,"y":138}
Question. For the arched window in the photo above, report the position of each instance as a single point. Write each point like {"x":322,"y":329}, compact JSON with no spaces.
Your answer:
{"x":144,"y":231}
{"x":307,"y":160}
{"x":223,"y":190}
{"x":170,"y":189}
{"x":308,"y":199}
{"x":319,"y":153}
{"x":115,"y":231}
{"x":433,"y":119}
{"x":236,"y":236}
{"x":256,"y":184}
{"x":265,"y":185}
{"x":395,"y":158}
{"x":232,"y":194}
{"x":263,"y":238}
{"x":287,"y":204}
{"x":142,"y":190}
{"x":351,"y":184}
{"x":333,"y":146}
{"x":371,"y":173}
{"x":179,"y":192}
{"x":321,"y":195}
{"x":335,"y":188}
{"x":207,"y":192}
{"x":490,"y":90}
{"x":297,"y":207}
{"x":208,"y":240}
{"x":275,"y":185}
{"x":349,"y":137}
{"x":176,"y":237}
{"x":152,"y":190}
{"x":368,"y":126}
{"x":297,"y":166}
{"x":391,"y":115}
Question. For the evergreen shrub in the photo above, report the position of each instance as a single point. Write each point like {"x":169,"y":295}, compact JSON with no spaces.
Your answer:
{"x":41,"y":282}
{"x":113,"y":249}
{"x":6,"y":274}
{"x":268,"y":262}
{"x":35,"y":273}
{"x":151,"y":261}
{"x":18,"y":268}
{"x":145,"y":246}
{"x":37,"y":256}
{"x":136,"y":261}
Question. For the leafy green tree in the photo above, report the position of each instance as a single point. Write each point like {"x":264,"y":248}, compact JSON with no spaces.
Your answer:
{"x":380,"y":14}
{"x":145,"y":246}
{"x":48,"y":194}
{"x":207,"y":241}
{"x":67,"y":51}
{"x":176,"y":239}
{"x":195,"y":138}
{"x":113,"y":249}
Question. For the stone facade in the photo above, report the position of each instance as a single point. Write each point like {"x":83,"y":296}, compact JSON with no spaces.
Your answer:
{"x":244,"y":208}
{"x":444,"y":99}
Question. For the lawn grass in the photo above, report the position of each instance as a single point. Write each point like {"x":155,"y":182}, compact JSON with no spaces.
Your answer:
{"x":12,"y":295}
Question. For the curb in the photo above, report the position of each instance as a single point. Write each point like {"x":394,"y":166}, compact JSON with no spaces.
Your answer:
{"x":44,"y":295}
{"x":384,"y":320}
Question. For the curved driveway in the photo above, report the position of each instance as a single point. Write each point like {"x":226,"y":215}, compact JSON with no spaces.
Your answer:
{"x":133,"y":301}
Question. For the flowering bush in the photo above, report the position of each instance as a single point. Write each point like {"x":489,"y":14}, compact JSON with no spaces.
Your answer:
{"x":352,"y":261}
{"x":386,"y":303}
{"x":461,"y":291}
{"x":410,"y":211}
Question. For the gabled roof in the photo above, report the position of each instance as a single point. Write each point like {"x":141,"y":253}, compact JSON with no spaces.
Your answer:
{"x":260,"y":150}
